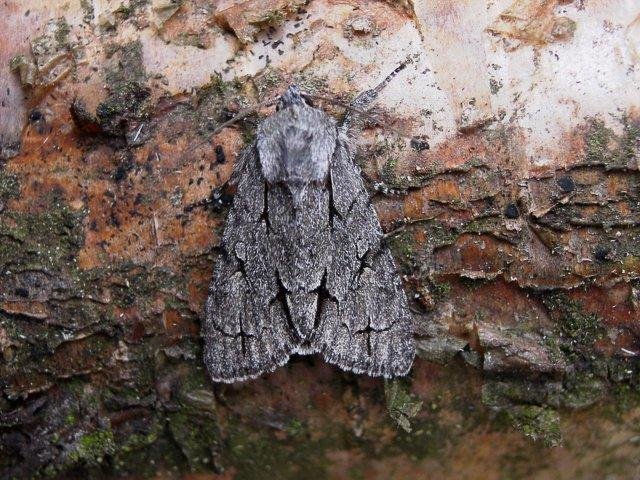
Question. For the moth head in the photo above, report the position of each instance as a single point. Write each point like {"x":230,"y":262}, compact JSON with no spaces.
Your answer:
{"x":295,"y":144}
{"x":293,"y":96}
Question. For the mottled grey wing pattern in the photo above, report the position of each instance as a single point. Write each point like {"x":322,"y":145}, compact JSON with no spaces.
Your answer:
{"x":303,"y":268}
{"x":300,"y":241}
{"x":246,"y":329}
{"x":365,"y":322}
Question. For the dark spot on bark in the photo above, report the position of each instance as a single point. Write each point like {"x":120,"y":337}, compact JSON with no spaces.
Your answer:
{"x":123,"y":170}
{"x":220,"y":156}
{"x":567,"y":184}
{"x":35,"y":115}
{"x":419,"y":144}
{"x":114,"y":220}
{"x":226,"y":114}
{"x":219,"y":200}
{"x":602,"y":253}
{"x":22,"y":292}
{"x":512,"y":211}
{"x":211,"y":125}
{"x":83,"y":120}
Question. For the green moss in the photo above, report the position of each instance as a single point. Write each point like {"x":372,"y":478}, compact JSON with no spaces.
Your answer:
{"x":151,"y":456}
{"x":494,"y":85}
{"x":128,"y":99}
{"x":390,"y":153}
{"x":508,"y":392}
{"x":45,"y":240}
{"x":605,"y":148}
{"x":402,"y":246}
{"x":194,"y":426}
{"x":196,"y":433}
{"x":401,"y":405}
{"x":135,"y":286}
{"x":9,"y":186}
{"x":61,"y":34}
{"x":93,"y":447}
{"x":71,"y":419}
{"x":626,"y":396}
{"x":309,"y":82}
{"x":531,"y":406}
{"x":129,"y":67}
{"x":629,"y":140}
{"x":124,"y":11}
{"x":428,"y":437}
{"x":16,"y":62}
{"x":388,"y":171}
{"x":217,"y":87}
{"x":624,"y":373}
{"x":295,"y":428}
{"x":597,"y":140}
{"x":270,"y":17}
{"x":439,"y":234}
{"x":592,"y":376}
{"x":441,"y":290}
{"x":538,"y":423}
{"x":137,"y":441}
{"x":218,"y":99}
{"x":87,"y":8}
{"x":484,"y":225}
{"x":248,"y":137}
{"x":355,"y":473}
{"x":261,"y":456}
{"x":267,"y":80}
{"x":577,"y":330}
{"x":191,"y":39}
{"x":582,"y":389}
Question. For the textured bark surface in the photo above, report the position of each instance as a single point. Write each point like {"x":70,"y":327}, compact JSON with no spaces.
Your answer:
{"x":517,"y":234}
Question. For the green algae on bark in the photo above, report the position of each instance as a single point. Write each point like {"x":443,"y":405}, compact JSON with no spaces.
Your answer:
{"x":46,"y":240}
{"x":538,"y":423}
{"x":604,"y":147}
{"x":401,"y":405}
{"x":92,"y":448}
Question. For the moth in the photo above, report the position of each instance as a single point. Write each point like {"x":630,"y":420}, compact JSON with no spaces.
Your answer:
{"x":303,"y":266}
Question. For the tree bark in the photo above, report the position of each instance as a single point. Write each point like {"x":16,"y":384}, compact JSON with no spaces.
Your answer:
{"x":511,"y":197}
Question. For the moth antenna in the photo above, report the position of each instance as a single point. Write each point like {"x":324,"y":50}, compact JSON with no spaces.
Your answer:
{"x":366,"y":98}
{"x":358,"y":111}
{"x":245,"y":112}
{"x":378,"y":88}
{"x":242,"y":114}
{"x":324,"y":98}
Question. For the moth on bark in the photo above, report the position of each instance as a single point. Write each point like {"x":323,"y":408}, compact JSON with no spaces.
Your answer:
{"x":303,"y":266}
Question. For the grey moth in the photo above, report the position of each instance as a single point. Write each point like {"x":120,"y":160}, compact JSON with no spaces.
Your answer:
{"x":303,"y":266}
